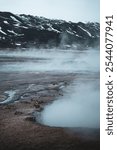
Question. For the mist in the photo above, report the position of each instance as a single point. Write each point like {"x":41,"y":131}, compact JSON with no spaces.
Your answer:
{"x":79,"y":107}
{"x":51,"y":60}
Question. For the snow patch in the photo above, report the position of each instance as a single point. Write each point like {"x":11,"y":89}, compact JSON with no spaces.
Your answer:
{"x":52,"y":29}
{"x":3,"y":38}
{"x":2,"y":31}
{"x":18,"y":44}
{"x":6,"y":22}
{"x":20,"y":34}
{"x":78,"y":35}
{"x":70,"y":32}
{"x":11,"y":31}
{"x":24,"y":27}
{"x":41,"y":27}
{"x":15,"y":19}
{"x":85,"y":31}
{"x":17,"y":25}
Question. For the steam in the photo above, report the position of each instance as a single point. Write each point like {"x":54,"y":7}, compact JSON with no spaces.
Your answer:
{"x":78,"y":108}
{"x":50,"y":60}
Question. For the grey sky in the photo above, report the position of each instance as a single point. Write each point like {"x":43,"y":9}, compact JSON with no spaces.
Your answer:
{"x":70,"y":10}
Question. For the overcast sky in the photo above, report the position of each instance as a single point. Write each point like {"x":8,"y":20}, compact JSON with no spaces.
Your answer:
{"x":70,"y":10}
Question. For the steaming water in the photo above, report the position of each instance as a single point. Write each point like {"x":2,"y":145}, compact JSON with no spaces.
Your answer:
{"x":79,"y":107}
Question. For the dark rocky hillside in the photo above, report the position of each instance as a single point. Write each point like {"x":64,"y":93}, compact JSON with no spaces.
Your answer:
{"x":26,"y":31}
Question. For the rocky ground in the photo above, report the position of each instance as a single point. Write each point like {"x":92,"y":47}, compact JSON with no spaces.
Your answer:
{"x":18,"y":127}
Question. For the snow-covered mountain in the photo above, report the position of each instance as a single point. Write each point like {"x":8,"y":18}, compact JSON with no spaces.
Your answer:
{"x":26,"y":30}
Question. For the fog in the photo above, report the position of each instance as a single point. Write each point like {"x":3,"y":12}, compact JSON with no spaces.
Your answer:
{"x":49,"y":61}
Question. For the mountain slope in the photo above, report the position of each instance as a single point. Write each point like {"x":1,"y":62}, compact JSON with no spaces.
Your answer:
{"x":26,"y":30}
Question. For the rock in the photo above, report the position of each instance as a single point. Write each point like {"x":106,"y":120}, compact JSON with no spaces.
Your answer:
{"x":30,"y":118}
{"x":18,"y":113}
{"x":36,"y":104}
{"x":2,"y":97}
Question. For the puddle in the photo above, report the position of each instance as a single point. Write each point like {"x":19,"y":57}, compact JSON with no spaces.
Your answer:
{"x":9,"y":97}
